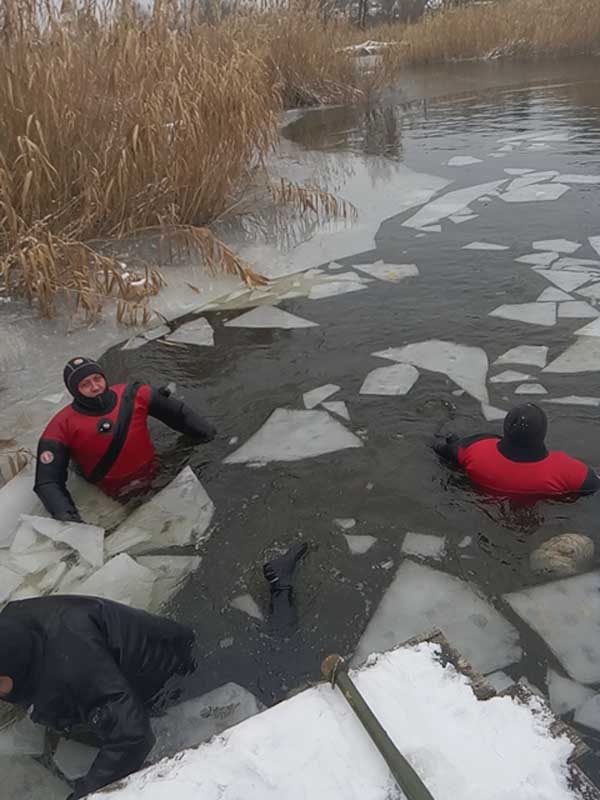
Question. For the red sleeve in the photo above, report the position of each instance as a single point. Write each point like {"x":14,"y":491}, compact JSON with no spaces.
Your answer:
{"x":143,"y":396}
{"x":58,"y":429}
{"x":573,"y":473}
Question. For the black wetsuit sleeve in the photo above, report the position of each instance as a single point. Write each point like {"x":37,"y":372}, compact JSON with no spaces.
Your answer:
{"x":51,"y":480}
{"x":591,"y":483}
{"x":448,"y":449}
{"x":174,"y":413}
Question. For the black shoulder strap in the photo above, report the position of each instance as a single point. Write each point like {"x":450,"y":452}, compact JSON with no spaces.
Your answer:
{"x":119,"y":435}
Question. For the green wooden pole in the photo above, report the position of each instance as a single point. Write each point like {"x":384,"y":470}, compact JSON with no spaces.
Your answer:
{"x":334,"y":669}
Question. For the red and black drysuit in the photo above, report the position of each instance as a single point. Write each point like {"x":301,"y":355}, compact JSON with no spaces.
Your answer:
{"x":518,"y":462}
{"x":107,"y":437}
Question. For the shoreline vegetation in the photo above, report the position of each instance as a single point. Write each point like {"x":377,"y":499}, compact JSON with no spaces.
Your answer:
{"x":120,"y":120}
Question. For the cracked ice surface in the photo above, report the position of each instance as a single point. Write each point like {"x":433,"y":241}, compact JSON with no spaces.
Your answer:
{"x":290,"y":435}
{"x":359,"y":545}
{"x":565,"y":614}
{"x":316,"y":396}
{"x":179,"y":514}
{"x":530,"y":388}
{"x":583,"y":356}
{"x":389,"y":272}
{"x":449,"y":204}
{"x":532,"y":355}
{"x":559,"y":245}
{"x":421,"y":544}
{"x":198,"y":332}
{"x":510,"y":376}
{"x":466,"y":366}
{"x":421,"y":599}
{"x":269,"y":317}
{"x":396,"y":380}
{"x":532,"y":313}
{"x":565,"y":694}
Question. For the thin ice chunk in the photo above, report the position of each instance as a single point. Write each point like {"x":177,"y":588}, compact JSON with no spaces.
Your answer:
{"x":565,"y":614}
{"x":532,"y":313}
{"x":463,"y":161}
{"x":269,"y":317}
{"x":122,"y":580}
{"x":421,"y":599}
{"x":492,"y":413}
{"x":448,"y":204}
{"x":22,"y":738}
{"x":339,"y":408}
{"x":421,"y":544}
{"x":564,"y":280}
{"x":559,"y":245}
{"x":359,"y":545}
{"x":194,"y":721}
{"x":389,"y":272}
{"x":290,"y":435}
{"x":9,"y":583}
{"x":565,"y":694}
{"x":575,"y":400}
{"x":333,"y":288}
{"x":538,"y":259}
{"x":537,"y":192}
{"x":517,"y":171}
{"x":593,"y":291}
{"x":589,"y":713}
{"x":532,"y":355}
{"x":198,"y":332}
{"x":178,"y":515}
{"x":24,"y":779}
{"x":595,"y":242}
{"x":591,"y":329}
{"x":171,"y":572}
{"x":530,"y":179}
{"x":316,"y":396}
{"x":578,"y":178}
{"x":484,"y":246}
{"x":16,"y":498}
{"x":585,"y":263}
{"x":396,"y":380}
{"x":87,"y":540}
{"x":466,"y":366}
{"x":74,"y":759}
{"x":432,"y":229}
{"x":458,"y":219}
{"x":499,"y":680}
{"x":530,"y":388}
{"x":247,"y":605}
{"x":578,"y":309}
{"x":583,"y":356}
{"x":552,"y":295}
{"x":465,"y":541}
{"x":51,"y":578}
{"x":345,"y":524}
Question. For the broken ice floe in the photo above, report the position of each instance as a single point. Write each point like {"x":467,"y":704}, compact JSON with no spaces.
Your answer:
{"x":491,"y":413}
{"x":517,"y":171}
{"x":332,"y":288}
{"x":359,"y":545}
{"x":269,"y":317}
{"x":23,"y":778}
{"x":588,"y":713}
{"x":463,"y":161}
{"x":565,"y":613}
{"x":484,"y":246}
{"x":421,"y":599}
{"x":339,"y":408}
{"x":552,"y":295}
{"x":538,"y":259}
{"x":595,"y":243}
{"x":559,"y":245}
{"x":578,"y":179}
{"x":583,"y":356}
{"x":120,"y":579}
{"x":432,"y":229}
{"x":345,"y":524}
{"x":424,"y":545}
{"x":532,"y":355}
{"x":565,"y":694}
{"x":316,"y":396}
{"x":536,"y":192}
{"x":290,"y":435}
{"x":247,"y":605}
{"x":591,"y":329}
{"x":575,"y":400}
{"x":593,"y":291}
{"x":448,"y":204}
{"x":530,"y":388}
{"x":568,"y":281}
{"x":396,"y":380}
{"x":531,"y":313}
{"x":22,"y":738}
{"x":389,"y":272}
{"x":577,"y":309}
{"x":198,"y":332}
{"x":87,"y":540}
{"x":500,"y":681}
{"x":170,"y":573}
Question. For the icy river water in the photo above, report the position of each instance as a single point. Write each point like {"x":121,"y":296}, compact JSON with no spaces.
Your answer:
{"x":504,"y":155}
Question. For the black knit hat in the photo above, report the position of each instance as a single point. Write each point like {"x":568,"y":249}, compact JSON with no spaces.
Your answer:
{"x":526,"y":425}
{"x":16,"y":652}
{"x":76,"y":370}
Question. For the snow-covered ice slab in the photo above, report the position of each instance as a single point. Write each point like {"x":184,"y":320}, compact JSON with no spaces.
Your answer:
{"x":198,"y":332}
{"x":87,"y":540}
{"x":170,"y":572}
{"x":179,"y":514}
{"x":538,"y":259}
{"x":463,"y":161}
{"x":589,"y":713}
{"x":424,"y":545}
{"x":396,"y":380}
{"x":459,"y":745}
{"x":559,"y":245}
{"x":595,"y":179}
{"x":575,"y":400}
{"x":577,"y":309}
{"x":339,"y":408}
{"x":565,"y":695}
{"x":22,"y":738}
{"x":449,"y":204}
{"x":568,"y":281}
{"x":120,"y":579}
{"x":24,"y":779}
{"x":530,"y":388}
{"x":247,"y":605}
{"x":532,"y":313}
{"x":583,"y":356}
{"x":316,"y":396}
{"x":484,"y":246}
{"x":290,"y":435}
{"x":269,"y":317}
{"x":359,"y":544}
{"x":499,"y":680}
{"x":466,"y":366}
{"x":332,"y":288}
{"x":565,"y":614}
{"x":532,"y":355}
{"x":389,"y":272}
{"x":510,"y":376}
{"x":552,"y":295}
{"x":421,"y":599}
{"x":536,"y":192}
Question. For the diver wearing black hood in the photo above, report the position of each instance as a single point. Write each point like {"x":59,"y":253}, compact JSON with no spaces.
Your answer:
{"x":518,"y":462}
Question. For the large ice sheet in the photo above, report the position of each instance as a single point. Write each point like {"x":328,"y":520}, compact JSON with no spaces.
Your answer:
{"x":198,"y":332}
{"x":577,"y":309}
{"x":552,"y":295}
{"x":533,"y":355}
{"x":389,"y":272}
{"x":449,"y":203}
{"x":510,"y":376}
{"x":531,"y":313}
{"x":290,"y":435}
{"x":421,"y":599}
{"x":564,"y":280}
{"x":87,"y":540}
{"x":171,"y":572}
{"x":565,"y":694}
{"x":536,"y":192}
{"x":120,"y":579}
{"x":466,"y":366}
{"x":179,"y":514}
{"x":395,"y":380}
{"x":269,"y":317}
{"x":583,"y":356}
{"x":24,"y":779}
{"x":22,"y":738}
{"x":332,"y":288}
{"x":566,"y":614}
{"x":316,"y":396}
{"x":559,"y":245}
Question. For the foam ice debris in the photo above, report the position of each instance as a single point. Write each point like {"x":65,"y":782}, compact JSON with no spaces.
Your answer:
{"x":466,"y":366}
{"x":594,"y":179}
{"x":589,"y":713}
{"x":568,"y":281}
{"x":583,"y":356}
{"x":198,"y":332}
{"x":595,"y":242}
{"x":538,"y":259}
{"x":449,"y":204}
{"x":565,"y":613}
{"x":537,"y":192}
{"x":530,"y":388}
{"x":552,"y":295}
{"x":395,"y":380}
{"x":23,"y":777}
{"x":421,"y":599}
{"x":339,"y":408}
{"x":500,"y":681}
{"x":424,"y":545}
{"x":179,"y":514}
{"x":170,"y":573}
{"x":531,"y":355}
{"x":509,"y":376}
{"x":558,"y":245}
{"x":269,"y":317}
{"x":316,"y":396}
{"x":120,"y":579}
{"x":333,"y":288}
{"x":22,"y":738}
{"x":247,"y":605}
{"x":359,"y":545}
{"x":531,"y":313}
{"x":484,"y":246}
{"x":87,"y":540}
{"x":463,"y":161}
{"x":565,"y":694}
{"x":574,"y":400}
{"x":389,"y":272}
{"x":290,"y":435}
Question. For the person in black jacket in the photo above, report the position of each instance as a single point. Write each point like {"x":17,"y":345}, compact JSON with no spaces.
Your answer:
{"x":83,"y":661}
{"x":104,"y":431}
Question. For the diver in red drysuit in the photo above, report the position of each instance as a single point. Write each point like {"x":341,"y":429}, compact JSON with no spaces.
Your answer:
{"x":518,"y":462}
{"x":105,"y":432}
